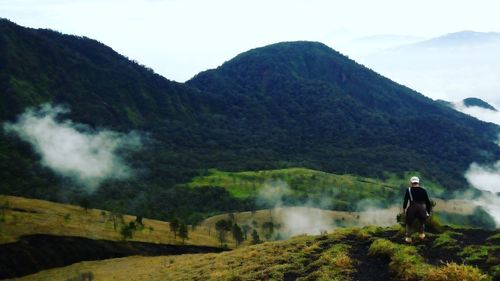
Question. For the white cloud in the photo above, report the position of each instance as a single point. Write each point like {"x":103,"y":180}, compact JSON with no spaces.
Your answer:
{"x":273,"y":192}
{"x":303,"y":220}
{"x":443,"y":70}
{"x":74,"y":150}
{"x":373,"y":215}
{"x":487,"y":179}
{"x":480,"y":113}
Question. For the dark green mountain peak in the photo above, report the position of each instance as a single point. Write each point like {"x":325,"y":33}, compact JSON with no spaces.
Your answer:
{"x":300,"y":60}
{"x":99,"y":85}
{"x":301,"y":66}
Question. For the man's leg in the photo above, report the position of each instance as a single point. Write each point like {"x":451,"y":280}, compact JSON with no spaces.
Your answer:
{"x":408,"y":232}
{"x":410,"y":219}
{"x":421,"y":230}
{"x":422,"y":217}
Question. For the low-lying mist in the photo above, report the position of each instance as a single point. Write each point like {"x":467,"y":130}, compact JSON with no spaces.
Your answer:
{"x":74,"y":150}
{"x":483,"y":114}
{"x":486,"y":178}
{"x":313,"y":218}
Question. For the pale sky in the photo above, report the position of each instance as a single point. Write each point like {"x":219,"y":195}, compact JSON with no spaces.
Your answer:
{"x":179,"y":38}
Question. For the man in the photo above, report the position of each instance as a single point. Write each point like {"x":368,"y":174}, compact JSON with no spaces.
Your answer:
{"x":417,"y":206}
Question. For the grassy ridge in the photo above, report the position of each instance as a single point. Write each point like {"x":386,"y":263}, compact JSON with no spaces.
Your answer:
{"x":21,"y":216}
{"x":269,"y":261}
{"x":327,"y":257}
{"x":311,"y":186}
{"x":345,"y":254}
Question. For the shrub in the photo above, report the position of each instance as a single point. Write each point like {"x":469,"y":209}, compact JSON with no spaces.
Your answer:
{"x":127,"y":231}
{"x":406,"y":263}
{"x":433,"y":224}
{"x":382,"y":247}
{"x":445,"y":239}
{"x":333,"y":264}
{"x":453,"y":271}
{"x":255,"y":237}
{"x":83,"y":276}
{"x":474,"y":253}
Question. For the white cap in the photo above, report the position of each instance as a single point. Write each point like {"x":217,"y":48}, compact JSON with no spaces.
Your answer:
{"x":415,"y":180}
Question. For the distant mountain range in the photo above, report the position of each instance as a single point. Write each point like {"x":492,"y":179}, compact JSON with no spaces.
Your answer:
{"x":363,"y":46}
{"x":458,"y":39}
{"x":284,"y":105}
{"x":453,"y":66}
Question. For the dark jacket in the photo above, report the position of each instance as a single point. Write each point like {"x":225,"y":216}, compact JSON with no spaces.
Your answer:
{"x":420,"y":196}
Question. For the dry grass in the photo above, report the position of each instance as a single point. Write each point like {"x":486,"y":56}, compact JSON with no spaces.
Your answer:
{"x":333,"y":264}
{"x":266,"y":261}
{"x":29,"y":216}
{"x":129,"y":268}
{"x":453,"y":271}
{"x":304,"y":255}
{"x":407,"y":264}
{"x":325,"y":257}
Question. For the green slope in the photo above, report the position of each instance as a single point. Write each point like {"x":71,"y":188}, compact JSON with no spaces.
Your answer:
{"x":306,"y":186}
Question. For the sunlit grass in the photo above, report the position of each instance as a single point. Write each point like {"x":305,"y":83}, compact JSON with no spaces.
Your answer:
{"x":446,"y":239}
{"x":30,"y":216}
{"x":407,"y":264}
{"x":322,"y":257}
{"x":247,"y":184}
{"x":267,"y":261}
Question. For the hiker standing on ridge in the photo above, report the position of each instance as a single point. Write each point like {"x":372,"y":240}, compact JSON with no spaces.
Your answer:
{"x":417,"y":207}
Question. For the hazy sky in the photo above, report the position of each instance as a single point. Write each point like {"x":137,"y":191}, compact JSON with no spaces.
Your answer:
{"x":179,"y":38}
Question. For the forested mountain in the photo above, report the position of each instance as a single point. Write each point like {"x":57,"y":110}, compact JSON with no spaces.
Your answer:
{"x":341,"y":116}
{"x":102,"y":87}
{"x":284,"y":105}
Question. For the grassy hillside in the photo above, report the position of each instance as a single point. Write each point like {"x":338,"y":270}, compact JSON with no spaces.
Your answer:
{"x":326,"y":190}
{"x":334,"y":199}
{"x":348,"y":254}
{"x":291,"y":221}
{"x":21,"y":216}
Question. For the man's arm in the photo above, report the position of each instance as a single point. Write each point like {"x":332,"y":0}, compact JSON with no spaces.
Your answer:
{"x":407,"y":198}
{"x":428,"y":204}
